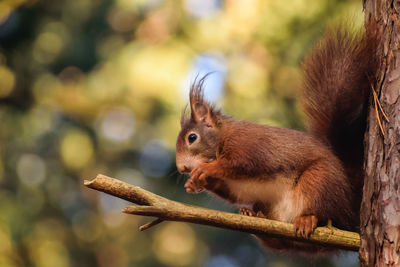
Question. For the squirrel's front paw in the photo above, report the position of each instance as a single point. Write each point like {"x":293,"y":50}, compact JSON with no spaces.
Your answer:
{"x":191,"y":186}
{"x":251,"y":213}
{"x":305,"y":225}
{"x":198,"y":179}
{"x":247,"y":212}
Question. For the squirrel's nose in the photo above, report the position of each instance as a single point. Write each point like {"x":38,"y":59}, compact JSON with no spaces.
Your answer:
{"x":183,"y":169}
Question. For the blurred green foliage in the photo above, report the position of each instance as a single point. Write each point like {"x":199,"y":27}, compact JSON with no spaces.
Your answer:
{"x":96,"y":86}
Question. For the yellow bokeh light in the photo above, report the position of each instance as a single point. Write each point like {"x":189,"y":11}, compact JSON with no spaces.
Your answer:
{"x":76,"y":149}
{"x":6,"y":262}
{"x":49,"y":42}
{"x":175,"y":244}
{"x":167,"y":65}
{"x":7,"y":81}
{"x":77,"y":12}
{"x":248,"y":79}
{"x":5,"y":241}
{"x":45,"y":244}
{"x":288,"y":79}
{"x":8,"y":255}
{"x":47,"y":46}
{"x":5,"y":11}
{"x":49,"y":253}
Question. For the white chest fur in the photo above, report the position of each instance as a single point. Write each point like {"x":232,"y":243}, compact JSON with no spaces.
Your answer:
{"x":279,"y":194}
{"x":289,"y":207}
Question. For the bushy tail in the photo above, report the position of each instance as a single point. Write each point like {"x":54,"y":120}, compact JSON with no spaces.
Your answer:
{"x":337,"y":83}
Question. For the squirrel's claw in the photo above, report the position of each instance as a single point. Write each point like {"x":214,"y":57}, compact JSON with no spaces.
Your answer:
{"x":191,"y":186}
{"x":198,"y":179}
{"x":251,"y":213}
{"x":305,"y":225}
{"x":247,"y":212}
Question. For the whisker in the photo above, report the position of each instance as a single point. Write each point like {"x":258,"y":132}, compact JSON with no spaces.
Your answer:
{"x":172,"y":173}
{"x":181,"y":177}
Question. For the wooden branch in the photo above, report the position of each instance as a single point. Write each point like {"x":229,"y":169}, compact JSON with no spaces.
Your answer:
{"x":150,"y":204}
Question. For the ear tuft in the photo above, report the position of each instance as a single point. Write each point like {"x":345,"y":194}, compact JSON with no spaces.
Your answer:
{"x":183,"y":116}
{"x":196,"y":90}
{"x":201,"y":110}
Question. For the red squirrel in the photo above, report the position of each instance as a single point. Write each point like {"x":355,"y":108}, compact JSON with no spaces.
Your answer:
{"x":282,"y":174}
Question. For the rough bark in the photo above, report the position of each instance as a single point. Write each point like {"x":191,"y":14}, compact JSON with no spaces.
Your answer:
{"x":150,"y":204}
{"x":380,"y":209}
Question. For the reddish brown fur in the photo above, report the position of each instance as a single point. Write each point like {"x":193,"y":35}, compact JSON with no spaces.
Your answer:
{"x":285,"y":174}
{"x":337,"y":83}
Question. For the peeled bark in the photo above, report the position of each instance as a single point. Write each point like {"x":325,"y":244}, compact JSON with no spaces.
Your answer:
{"x":380,"y":208}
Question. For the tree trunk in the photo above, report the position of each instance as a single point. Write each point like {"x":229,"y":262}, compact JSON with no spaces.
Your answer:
{"x":380,"y":208}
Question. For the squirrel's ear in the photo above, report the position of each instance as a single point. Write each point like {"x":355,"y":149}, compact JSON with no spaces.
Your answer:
{"x":202,"y":112}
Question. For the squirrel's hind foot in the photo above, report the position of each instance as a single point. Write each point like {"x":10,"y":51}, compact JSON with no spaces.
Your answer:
{"x":305,"y":225}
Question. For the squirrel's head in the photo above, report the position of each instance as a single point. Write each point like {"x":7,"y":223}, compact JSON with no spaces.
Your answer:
{"x":198,"y":139}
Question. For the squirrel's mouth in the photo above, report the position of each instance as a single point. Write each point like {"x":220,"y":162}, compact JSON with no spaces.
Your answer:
{"x":184,"y":170}
{"x":186,"y":163}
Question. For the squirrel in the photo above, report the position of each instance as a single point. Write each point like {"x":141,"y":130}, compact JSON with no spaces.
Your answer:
{"x":308,"y":179}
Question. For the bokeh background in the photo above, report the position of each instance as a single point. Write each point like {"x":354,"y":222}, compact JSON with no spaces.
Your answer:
{"x":97,"y":86}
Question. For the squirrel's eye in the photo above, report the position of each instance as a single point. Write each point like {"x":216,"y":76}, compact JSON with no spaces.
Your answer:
{"x":192,"y":137}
